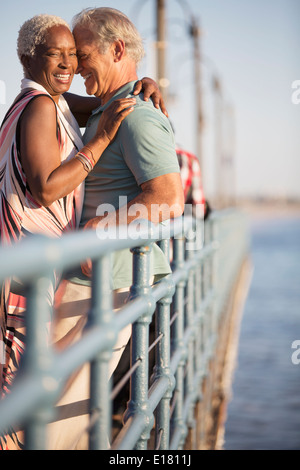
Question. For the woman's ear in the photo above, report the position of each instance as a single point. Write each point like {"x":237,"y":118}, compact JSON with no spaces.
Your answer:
{"x":118,"y":49}
{"x":25,"y":61}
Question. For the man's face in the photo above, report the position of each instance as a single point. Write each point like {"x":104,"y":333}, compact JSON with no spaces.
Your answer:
{"x":95,"y":68}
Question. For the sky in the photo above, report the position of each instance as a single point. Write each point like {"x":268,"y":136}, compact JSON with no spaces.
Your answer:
{"x":251,"y":46}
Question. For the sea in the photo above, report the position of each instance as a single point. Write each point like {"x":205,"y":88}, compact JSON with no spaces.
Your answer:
{"x":264,"y":409}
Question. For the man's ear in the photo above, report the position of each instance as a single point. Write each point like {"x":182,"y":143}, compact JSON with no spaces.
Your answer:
{"x":118,"y":49}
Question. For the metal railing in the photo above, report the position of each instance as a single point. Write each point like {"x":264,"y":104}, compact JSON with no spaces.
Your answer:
{"x":187,"y":305}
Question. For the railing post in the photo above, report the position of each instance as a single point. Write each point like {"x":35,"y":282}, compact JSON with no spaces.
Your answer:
{"x":190,"y":325}
{"x":199,"y":318}
{"x":162,"y":367}
{"x":199,"y":356}
{"x":178,"y":425}
{"x":101,"y":314}
{"x":138,"y":403}
{"x":38,"y":359}
{"x":214,"y":274}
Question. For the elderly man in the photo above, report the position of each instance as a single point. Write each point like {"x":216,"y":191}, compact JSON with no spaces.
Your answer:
{"x":141,"y":163}
{"x":139,"y":167}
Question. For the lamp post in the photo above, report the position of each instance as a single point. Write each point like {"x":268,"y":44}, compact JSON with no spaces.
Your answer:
{"x":195,"y":33}
{"x":161,"y":46}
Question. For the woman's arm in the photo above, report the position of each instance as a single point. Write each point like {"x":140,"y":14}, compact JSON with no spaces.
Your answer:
{"x":82,"y":106}
{"x":48,"y":178}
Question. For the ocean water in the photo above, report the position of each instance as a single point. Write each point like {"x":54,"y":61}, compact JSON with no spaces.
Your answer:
{"x":264,"y":411}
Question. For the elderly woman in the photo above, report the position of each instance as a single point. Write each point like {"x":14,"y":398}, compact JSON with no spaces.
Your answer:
{"x":43,"y":163}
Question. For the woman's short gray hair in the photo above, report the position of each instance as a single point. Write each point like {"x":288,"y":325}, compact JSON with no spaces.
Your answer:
{"x":109,"y":25}
{"x":33,"y":32}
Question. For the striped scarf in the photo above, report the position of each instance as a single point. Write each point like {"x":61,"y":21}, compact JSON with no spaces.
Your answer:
{"x":21,"y":215}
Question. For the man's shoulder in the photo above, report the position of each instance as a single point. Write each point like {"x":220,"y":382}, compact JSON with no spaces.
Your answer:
{"x":145,"y":114}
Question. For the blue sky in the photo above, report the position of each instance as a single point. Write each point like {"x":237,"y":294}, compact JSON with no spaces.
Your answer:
{"x":251,"y":45}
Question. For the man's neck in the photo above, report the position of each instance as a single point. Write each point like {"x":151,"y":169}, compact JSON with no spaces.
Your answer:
{"x":124,"y":76}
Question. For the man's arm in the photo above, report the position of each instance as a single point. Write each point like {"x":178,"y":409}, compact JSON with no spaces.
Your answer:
{"x":161,"y":199}
{"x":82,"y":106}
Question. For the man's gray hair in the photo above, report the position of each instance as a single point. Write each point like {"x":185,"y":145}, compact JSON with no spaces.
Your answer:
{"x":33,"y":33}
{"x":109,"y":25}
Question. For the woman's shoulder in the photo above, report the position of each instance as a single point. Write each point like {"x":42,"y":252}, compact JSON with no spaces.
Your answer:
{"x":37,"y":102}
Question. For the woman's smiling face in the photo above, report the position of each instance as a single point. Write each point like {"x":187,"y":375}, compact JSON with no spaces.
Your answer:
{"x":55,"y":62}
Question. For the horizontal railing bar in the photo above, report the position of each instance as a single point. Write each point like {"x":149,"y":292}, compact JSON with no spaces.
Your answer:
{"x":41,"y":254}
{"x":136,"y":424}
{"x":131,"y":312}
{"x":157,"y":390}
{"x":180,"y":273}
{"x":130,"y":433}
{"x":92,"y":342}
{"x":84,"y":350}
{"x":28,"y":394}
{"x":189,"y":332}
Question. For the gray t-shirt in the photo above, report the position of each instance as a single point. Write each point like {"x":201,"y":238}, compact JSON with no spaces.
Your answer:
{"x":143,"y":149}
